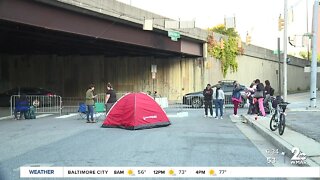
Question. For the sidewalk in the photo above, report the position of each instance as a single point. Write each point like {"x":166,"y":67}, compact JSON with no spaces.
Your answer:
{"x":5,"y":112}
{"x":302,"y":128}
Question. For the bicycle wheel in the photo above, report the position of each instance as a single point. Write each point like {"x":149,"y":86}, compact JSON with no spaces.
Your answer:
{"x":273,"y":123}
{"x":282,"y":123}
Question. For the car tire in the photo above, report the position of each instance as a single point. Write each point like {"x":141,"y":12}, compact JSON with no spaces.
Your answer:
{"x":196,"y":102}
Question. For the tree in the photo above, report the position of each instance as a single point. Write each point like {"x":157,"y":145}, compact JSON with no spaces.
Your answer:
{"x":304,"y":55}
{"x":226,"y":48}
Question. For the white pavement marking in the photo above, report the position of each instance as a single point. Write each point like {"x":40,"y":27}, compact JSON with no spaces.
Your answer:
{"x":6,"y":117}
{"x":43,"y":115}
{"x":67,"y":116}
{"x":38,"y":116}
{"x":179,"y":114}
{"x":98,"y":114}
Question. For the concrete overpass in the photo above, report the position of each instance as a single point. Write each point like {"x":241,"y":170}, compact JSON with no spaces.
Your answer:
{"x":78,"y":27}
{"x":67,"y":44}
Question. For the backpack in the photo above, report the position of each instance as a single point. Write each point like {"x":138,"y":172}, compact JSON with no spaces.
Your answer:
{"x":276,"y":101}
{"x":271,"y":91}
{"x":31,"y":113}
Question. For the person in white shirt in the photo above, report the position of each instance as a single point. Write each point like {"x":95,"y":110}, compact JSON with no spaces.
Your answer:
{"x":218,"y":96}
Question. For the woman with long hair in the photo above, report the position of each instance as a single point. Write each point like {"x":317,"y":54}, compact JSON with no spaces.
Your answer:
{"x":111,"y":97}
{"x":218,"y":96}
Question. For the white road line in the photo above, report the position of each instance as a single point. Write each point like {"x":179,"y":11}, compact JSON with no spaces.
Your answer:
{"x":43,"y":115}
{"x":96,"y":115}
{"x":6,"y":117}
{"x":66,"y":116}
{"x":38,"y":116}
{"x":179,"y":114}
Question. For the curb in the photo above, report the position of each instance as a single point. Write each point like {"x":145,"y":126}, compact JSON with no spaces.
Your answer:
{"x":283,"y":145}
{"x":5,"y":117}
{"x":303,"y":110}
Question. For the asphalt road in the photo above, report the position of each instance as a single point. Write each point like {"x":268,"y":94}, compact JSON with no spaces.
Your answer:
{"x":189,"y":141}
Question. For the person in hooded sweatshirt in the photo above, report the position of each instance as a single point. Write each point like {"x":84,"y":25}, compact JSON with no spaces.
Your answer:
{"x":218,"y":96}
{"x":207,"y":93}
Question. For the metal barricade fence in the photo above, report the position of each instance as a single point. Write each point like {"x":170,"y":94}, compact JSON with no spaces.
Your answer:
{"x":196,"y":102}
{"x":71,"y":104}
{"x":42,"y":103}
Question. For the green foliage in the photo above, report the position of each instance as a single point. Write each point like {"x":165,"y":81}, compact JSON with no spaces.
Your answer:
{"x":304,"y":55}
{"x":226,"y":49}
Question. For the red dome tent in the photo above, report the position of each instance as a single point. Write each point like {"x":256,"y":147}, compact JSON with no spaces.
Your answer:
{"x":136,"y":111}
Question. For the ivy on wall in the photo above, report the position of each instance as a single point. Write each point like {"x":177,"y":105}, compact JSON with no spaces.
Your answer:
{"x":304,"y":55}
{"x":226,"y":49}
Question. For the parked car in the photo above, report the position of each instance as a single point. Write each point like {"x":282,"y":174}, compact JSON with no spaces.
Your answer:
{"x":195,"y":99}
{"x":6,"y":95}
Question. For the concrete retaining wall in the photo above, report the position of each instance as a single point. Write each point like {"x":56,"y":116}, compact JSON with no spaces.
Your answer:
{"x":70,"y":75}
{"x":262,"y":64}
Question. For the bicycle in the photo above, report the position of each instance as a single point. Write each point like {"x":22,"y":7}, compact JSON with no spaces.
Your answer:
{"x":278,"y":119}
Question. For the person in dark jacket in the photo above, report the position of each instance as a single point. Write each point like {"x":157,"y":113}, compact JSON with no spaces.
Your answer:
{"x":111,"y":97}
{"x":236,"y":98}
{"x":22,"y":106}
{"x":260,"y":95}
{"x":268,"y":87}
{"x":207,"y":93}
{"x":269,"y":91}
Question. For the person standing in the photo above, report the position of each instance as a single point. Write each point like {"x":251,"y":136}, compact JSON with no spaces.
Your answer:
{"x":269,"y":91}
{"x":111,"y":97}
{"x":218,"y":96}
{"x":90,"y":102}
{"x":207,"y":93}
{"x":236,"y":98}
{"x":259,"y":95}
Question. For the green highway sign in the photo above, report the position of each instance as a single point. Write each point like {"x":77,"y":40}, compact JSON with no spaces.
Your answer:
{"x":276,"y":52}
{"x":174,"y":35}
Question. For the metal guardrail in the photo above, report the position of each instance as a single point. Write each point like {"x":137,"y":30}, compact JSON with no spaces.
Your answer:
{"x":65,"y":105}
{"x":71,"y":104}
{"x":197,"y":102}
{"x":42,"y":103}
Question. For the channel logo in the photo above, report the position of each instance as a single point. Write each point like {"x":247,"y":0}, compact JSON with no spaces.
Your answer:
{"x":298,"y":158}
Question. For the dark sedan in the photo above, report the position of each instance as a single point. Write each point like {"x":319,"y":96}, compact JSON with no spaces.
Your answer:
{"x":195,"y":99}
{"x":6,"y":95}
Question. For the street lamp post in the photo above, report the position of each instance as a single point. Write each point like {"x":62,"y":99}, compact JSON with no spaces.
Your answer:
{"x":313,"y":73}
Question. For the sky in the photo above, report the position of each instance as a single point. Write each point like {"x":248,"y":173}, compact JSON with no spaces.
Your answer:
{"x":257,"y":17}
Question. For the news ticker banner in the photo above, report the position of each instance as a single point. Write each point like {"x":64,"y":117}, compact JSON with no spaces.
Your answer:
{"x":167,"y":172}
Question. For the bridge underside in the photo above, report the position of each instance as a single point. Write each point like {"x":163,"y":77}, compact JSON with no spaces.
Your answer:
{"x":32,"y":27}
